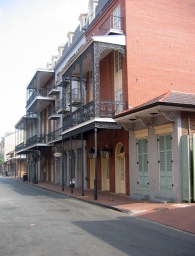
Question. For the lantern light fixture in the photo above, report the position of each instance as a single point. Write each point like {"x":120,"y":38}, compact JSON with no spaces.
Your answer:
{"x":105,"y":152}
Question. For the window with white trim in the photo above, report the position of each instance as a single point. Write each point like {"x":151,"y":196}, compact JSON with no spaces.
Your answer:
{"x":117,"y":18}
{"x":117,"y":61}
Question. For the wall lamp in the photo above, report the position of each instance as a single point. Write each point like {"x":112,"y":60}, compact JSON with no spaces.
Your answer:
{"x":105,"y":152}
{"x":91,"y":153}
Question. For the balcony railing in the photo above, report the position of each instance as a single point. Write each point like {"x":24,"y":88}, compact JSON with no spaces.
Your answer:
{"x":52,"y":113}
{"x":107,"y":109}
{"x":36,"y":139}
{"x":112,"y":25}
{"x":55,"y":135}
{"x":53,"y":89}
{"x":61,"y":107}
{"x":20,"y":146}
{"x":41,"y":92}
{"x":76,"y":97}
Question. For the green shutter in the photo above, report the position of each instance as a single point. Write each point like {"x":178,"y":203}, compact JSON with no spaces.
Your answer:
{"x":143,"y":164}
{"x":185,"y":168}
{"x":166,"y":177}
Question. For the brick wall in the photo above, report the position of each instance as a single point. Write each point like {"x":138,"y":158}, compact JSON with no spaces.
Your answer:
{"x":188,"y":121}
{"x":160,"y":48}
{"x":111,"y":138}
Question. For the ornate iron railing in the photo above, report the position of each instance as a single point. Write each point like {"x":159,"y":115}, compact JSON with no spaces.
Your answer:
{"x":107,"y":109}
{"x":61,"y":106}
{"x":36,"y":139}
{"x":41,"y":92}
{"x":75,"y":95}
{"x":20,"y":146}
{"x":54,"y":135}
{"x":52,"y":111}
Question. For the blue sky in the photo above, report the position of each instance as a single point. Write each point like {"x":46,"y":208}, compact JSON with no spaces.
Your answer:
{"x":30,"y":33}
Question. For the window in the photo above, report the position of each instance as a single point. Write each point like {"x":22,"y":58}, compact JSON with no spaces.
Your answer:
{"x":165,"y":163}
{"x":118,"y":61}
{"x":92,"y":9}
{"x":117,"y":18}
{"x":122,"y":169}
{"x":142,"y":161}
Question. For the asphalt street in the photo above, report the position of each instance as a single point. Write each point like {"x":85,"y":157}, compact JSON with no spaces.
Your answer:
{"x":34,"y":221}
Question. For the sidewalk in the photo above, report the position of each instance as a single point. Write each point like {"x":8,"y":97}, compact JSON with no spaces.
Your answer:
{"x":180,"y":216}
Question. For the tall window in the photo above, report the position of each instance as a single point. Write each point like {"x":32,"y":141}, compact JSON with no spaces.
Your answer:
{"x":165,"y":163}
{"x":118,"y":61}
{"x":117,"y":18}
{"x":122,"y":169}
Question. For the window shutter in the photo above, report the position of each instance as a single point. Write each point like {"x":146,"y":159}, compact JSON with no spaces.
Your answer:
{"x":166,"y":178}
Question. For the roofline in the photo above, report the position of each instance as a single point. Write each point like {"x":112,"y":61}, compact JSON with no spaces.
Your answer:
{"x":155,"y":104}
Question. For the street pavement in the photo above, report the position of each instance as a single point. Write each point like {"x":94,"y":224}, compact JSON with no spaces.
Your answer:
{"x":176,"y":215}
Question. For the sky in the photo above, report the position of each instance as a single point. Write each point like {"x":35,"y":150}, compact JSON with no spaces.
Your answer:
{"x":30,"y":33}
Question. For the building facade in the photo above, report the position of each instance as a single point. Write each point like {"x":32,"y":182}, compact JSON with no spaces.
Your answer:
{"x":81,"y":128}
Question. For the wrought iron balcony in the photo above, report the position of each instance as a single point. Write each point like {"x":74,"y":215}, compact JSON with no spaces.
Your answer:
{"x":55,"y":135}
{"x":76,"y":97}
{"x":20,"y":147}
{"x":52,"y":115}
{"x":107,"y":109}
{"x":112,"y":25}
{"x":61,"y":107}
{"x":41,"y":97}
{"x":36,"y":93}
{"x":36,"y":139}
{"x":53,"y":89}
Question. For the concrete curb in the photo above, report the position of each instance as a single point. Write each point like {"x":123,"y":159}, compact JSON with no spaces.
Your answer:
{"x":78,"y":198}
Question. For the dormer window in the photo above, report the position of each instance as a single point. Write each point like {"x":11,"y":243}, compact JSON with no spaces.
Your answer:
{"x":92,"y":6}
{"x":70,"y":37}
{"x":60,"y":51}
{"x":82,"y":20}
{"x":53,"y":61}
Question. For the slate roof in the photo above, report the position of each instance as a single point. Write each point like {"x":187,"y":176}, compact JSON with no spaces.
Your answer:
{"x":101,"y":5}
{"x":171,"y":98}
